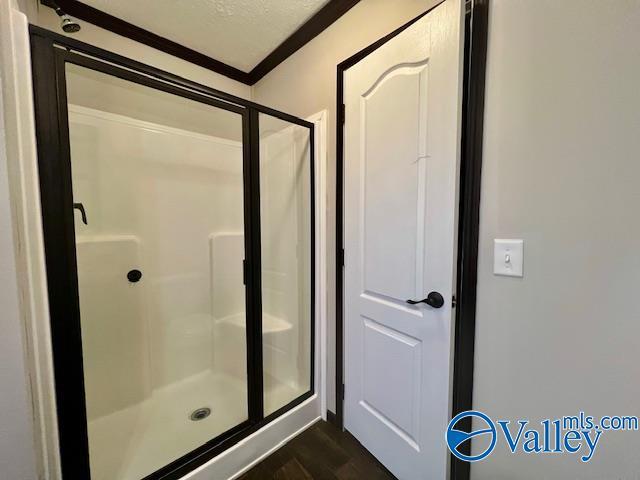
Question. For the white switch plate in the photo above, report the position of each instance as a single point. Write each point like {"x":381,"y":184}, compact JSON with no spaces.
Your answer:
{"x":508,"y":257}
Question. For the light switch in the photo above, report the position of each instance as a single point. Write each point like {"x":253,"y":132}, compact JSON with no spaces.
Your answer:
{"x":507,"y":257}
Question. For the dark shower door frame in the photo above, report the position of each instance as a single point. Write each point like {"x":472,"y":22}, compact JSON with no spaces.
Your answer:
{"x":50,"y":53}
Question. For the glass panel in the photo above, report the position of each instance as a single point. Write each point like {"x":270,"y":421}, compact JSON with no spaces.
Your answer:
{"x":285,"y":209}
{"x":162,"y":300}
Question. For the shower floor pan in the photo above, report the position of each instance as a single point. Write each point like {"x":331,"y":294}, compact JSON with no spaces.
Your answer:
{"x":134,"y":442}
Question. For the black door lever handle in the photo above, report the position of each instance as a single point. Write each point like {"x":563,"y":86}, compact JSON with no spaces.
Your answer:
{"x":434,"y":299}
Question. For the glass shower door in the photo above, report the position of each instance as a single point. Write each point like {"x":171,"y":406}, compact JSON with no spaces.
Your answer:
{"x":158,"y":204}
{"x":178,"y":226}
{"x":286,"y":220}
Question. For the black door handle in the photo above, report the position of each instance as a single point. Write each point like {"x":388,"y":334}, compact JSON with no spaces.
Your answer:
{"x":434,"y":299}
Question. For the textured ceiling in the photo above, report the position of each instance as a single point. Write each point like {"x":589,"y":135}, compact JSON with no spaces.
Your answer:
{"x":239,"y":33}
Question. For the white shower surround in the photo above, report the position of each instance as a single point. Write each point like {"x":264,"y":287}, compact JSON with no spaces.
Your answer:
{"x":179,"y":362}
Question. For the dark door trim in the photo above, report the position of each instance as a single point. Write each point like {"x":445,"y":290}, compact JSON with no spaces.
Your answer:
{"x":475,"y":51}
{"x":322,"y":19}
{"x":50,"y":53}
{"x":476,"y":36}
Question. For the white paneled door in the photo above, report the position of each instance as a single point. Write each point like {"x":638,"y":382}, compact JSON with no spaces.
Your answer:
{"x":402,"y":149}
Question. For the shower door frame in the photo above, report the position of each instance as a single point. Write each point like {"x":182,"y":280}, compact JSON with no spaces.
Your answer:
{"x":50,"y":53}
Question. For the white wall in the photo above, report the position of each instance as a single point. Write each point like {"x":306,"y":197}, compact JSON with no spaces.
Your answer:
{"x":305,"y":83}
{"x":17,"y":440}
{"x":561,"y":171}
{"x":17,"y":454}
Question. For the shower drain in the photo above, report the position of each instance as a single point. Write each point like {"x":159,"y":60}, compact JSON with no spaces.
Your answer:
{"x":200,"y":414}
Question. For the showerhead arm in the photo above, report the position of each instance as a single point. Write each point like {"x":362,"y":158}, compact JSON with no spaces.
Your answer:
{"x":69,"y":25}
{"x":56,"y":8}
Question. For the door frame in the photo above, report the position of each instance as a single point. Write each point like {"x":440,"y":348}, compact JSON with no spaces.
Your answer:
{"x":50,"y":52}
{"x":475,"y":53}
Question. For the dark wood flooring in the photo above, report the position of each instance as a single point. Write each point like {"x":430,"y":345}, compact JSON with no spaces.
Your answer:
{"x":322,"y":452}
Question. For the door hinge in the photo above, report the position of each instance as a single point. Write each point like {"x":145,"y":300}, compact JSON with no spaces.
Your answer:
{"x":454,"y":302}
{"x":343,"y":391}
{"x":244,"y":272}
{"x":341,"y":257}
{"x":343,"y":113}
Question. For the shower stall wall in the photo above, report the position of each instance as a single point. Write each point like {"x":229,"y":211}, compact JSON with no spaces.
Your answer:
{"x":179,"y":233}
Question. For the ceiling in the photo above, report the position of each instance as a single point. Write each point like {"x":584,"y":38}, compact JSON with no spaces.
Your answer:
{"x":240,"y":33}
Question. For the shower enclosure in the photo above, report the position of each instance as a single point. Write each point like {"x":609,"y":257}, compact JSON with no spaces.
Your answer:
{"x":179,"y":240}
